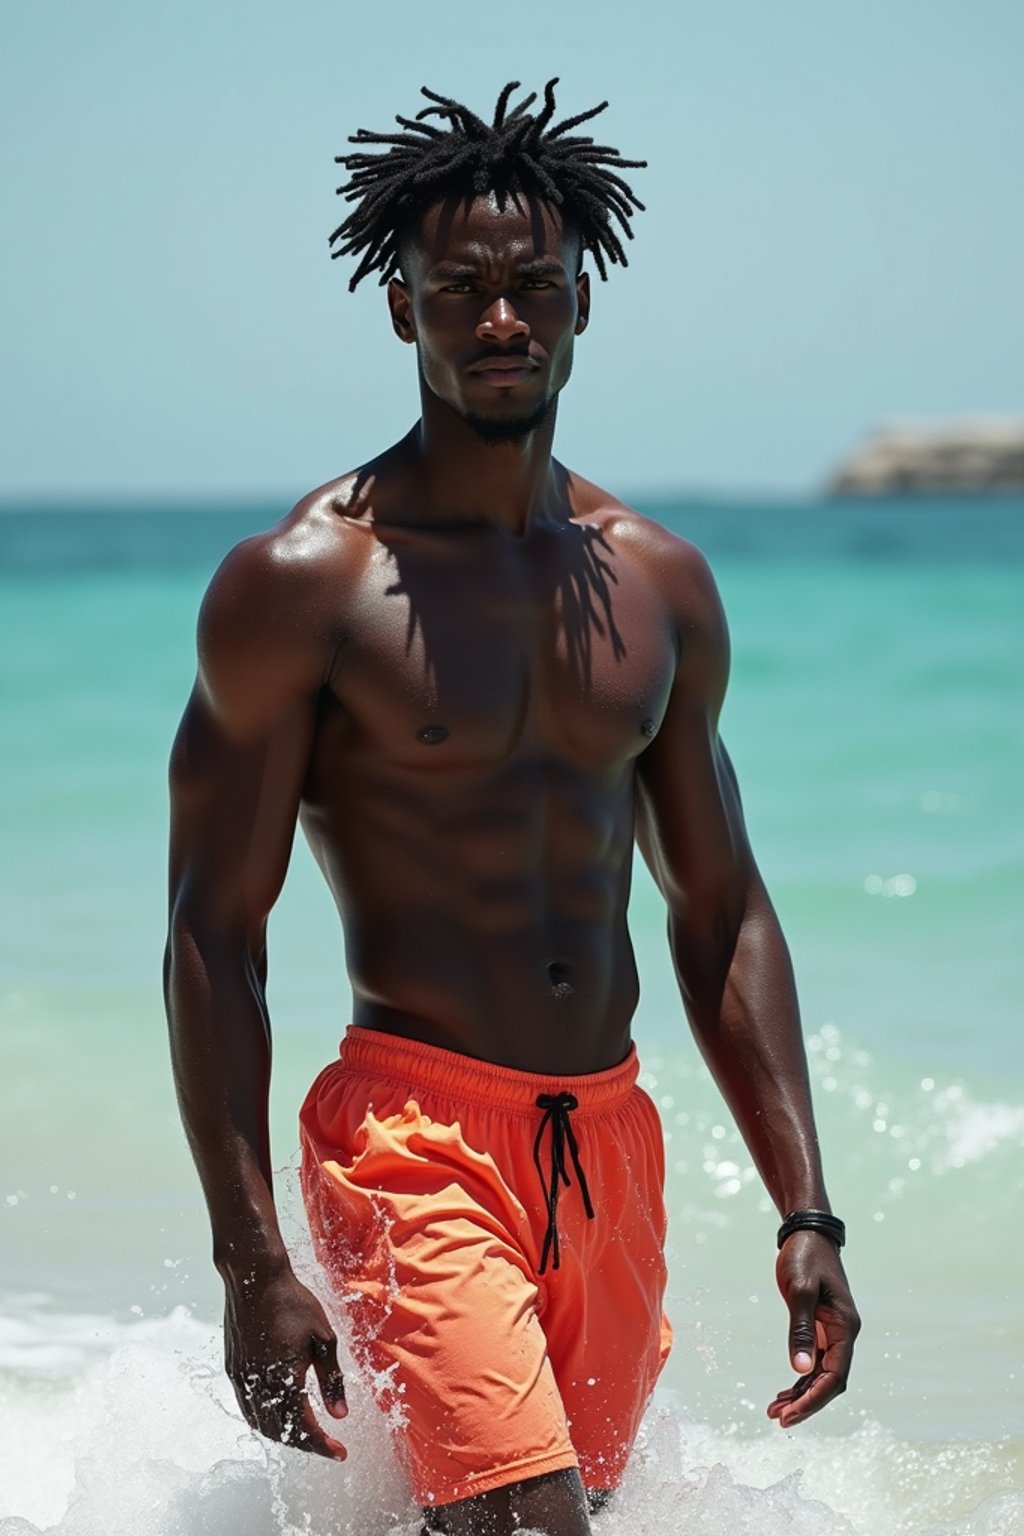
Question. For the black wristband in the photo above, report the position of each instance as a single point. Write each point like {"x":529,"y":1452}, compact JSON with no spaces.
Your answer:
{"x":813,"y":1221}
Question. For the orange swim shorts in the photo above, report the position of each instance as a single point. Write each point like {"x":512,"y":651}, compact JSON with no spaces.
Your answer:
{"x":506,"y":1331}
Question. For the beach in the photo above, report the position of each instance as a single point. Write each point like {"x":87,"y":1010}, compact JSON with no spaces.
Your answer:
{"x":876,"y":720}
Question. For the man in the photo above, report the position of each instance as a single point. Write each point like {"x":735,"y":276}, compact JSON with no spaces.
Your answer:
{"x":475,"y":677}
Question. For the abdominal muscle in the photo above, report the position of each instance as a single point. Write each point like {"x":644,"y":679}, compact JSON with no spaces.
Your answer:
{"x":484,"y":913}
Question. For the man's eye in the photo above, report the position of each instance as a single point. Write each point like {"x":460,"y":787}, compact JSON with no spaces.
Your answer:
{"x":457,"y":288}
{"x":538,"y":282}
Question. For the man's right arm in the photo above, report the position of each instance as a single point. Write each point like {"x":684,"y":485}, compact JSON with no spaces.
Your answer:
{"x":237,"y":770}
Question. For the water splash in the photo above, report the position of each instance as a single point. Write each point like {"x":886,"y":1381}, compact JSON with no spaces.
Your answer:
{"x":147,"y":1438}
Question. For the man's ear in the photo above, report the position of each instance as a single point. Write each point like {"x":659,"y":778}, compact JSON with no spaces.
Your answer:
{"x":400,"y":306}
{"x":582,"y":301}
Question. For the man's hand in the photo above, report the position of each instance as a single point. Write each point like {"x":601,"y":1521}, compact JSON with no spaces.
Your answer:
{"x":274,"y":1333}
{"x":823,"y":1324}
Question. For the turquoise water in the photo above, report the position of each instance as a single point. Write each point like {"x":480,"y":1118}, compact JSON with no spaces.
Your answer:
{"x":876,"y":718}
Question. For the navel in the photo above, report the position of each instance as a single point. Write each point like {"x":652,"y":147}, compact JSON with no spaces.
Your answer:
{"x":432,"y":735}
{"x":561,"y":986}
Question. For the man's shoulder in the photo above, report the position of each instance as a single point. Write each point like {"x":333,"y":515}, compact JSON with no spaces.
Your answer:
{"x":681,"y":585}
{"x":675,"y":565}
{"x":315,"y":546}
{"x":278,"y":599}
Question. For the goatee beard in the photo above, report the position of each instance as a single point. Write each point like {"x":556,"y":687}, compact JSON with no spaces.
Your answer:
{"x":509,"y":431}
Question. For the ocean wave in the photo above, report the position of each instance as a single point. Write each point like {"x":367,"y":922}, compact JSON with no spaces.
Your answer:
{"x":888,"y":1129}
{"x":146,"y":1438}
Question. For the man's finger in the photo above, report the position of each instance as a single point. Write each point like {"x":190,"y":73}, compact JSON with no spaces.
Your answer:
{"x":267,"y":1399}
{"x":787,"y":1395}
{"x":821,"y":1390}
{"x":803,"y":1333}
{"x":285,"y":1414}
{"x":305,"y":1432}
{"x":328,"y":1374}
{"x":790,"y":1395}
{"x":289,"y":1417}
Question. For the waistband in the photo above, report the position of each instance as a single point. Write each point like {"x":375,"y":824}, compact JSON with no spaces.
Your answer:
{"x":452,"y":1074}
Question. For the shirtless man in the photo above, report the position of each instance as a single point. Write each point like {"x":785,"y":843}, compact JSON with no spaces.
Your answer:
{"x":475,"y":678}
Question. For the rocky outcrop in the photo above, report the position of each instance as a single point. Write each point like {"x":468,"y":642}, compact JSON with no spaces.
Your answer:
{"x":980,"y":454}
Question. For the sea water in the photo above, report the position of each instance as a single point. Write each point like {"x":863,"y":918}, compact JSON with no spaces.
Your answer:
{"x":876,"y":718}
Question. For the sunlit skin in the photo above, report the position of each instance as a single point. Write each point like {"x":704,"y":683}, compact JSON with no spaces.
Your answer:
{"x":475,"y":678}
{"x":499,"y":361}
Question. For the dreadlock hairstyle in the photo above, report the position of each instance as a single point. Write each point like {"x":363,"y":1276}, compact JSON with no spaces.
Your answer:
{"x":517,"y":154}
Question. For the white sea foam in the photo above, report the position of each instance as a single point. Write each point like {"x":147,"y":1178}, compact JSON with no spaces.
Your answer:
{"x":975,"y":1130}
{"x":943,"y":1123}
{"x":146,"y":1438}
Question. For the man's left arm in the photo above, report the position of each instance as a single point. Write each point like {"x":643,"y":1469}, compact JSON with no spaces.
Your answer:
{"x":736,"y":980}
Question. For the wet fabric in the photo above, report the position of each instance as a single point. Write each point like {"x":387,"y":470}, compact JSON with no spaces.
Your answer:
{"x":440,"y":1189}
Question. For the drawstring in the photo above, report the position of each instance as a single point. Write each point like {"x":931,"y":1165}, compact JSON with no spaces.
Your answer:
{"x":556,"y":1107}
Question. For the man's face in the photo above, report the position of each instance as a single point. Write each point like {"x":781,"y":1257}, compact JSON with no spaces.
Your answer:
{"x":493,"y":301}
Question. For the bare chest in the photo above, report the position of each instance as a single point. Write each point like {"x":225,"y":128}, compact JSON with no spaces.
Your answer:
{"x":476,"y":650}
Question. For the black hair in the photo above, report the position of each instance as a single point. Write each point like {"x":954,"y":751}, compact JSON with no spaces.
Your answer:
{"x":517,"y":154}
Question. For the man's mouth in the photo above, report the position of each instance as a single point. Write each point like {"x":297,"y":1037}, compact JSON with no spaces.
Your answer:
{"x":513,"y":364}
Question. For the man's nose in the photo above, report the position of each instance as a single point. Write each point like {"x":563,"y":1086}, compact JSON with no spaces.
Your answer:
{"x":499,"y":322}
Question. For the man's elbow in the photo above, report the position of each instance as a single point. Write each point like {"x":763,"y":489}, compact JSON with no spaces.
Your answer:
{"x":712,"y":903}
{"x":208,"y":935}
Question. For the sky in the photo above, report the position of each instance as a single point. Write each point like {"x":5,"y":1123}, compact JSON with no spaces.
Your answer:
{"x":833,"y":236}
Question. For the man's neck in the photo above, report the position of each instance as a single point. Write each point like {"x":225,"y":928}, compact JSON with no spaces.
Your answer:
{"x":510,"y":485}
